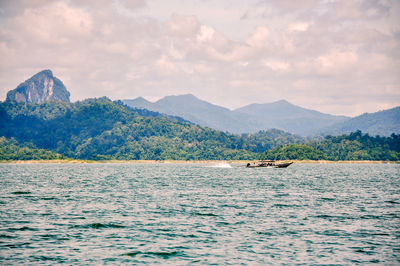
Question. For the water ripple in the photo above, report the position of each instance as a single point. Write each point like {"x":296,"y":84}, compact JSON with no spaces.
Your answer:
{"x":180,"y":214}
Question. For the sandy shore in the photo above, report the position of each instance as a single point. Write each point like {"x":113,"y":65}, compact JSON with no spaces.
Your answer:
{"x":184,"y":162}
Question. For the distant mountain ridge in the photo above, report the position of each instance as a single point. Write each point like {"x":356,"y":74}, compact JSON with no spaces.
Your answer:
{"x":382,"y":123}
{"x":40,"y":88}
{"x":195,"y":110}
{"x":248,"y":119}
{"x":289,"y":117}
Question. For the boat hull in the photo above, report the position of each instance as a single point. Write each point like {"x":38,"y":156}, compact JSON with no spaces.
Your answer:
{"x":270,"y":165}
{"x":283,"y":165}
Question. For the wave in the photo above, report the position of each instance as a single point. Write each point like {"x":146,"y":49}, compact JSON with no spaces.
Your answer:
{"x":21,"y":193}
{"x":205,"y":214}
{"x":161,"y":254}
{"x":99,"y":225}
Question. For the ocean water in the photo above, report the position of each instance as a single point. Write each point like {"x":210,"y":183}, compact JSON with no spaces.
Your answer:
{"x":181,"y":214}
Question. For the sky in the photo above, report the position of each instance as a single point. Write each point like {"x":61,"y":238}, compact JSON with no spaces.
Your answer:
{"x":337,"y":57}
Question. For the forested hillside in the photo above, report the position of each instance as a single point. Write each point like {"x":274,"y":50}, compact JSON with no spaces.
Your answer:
{"x":102,"y":129}
{"x":355,"y":146}
{"x":11,"y":150}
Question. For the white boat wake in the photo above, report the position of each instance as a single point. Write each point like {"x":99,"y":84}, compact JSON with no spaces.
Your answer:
{"x":222,"y":165}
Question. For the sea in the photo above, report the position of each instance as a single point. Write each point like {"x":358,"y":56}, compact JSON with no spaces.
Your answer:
{"x":200,"y":214}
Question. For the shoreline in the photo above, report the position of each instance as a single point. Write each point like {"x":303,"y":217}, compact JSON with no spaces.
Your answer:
{"x":185,"y":162}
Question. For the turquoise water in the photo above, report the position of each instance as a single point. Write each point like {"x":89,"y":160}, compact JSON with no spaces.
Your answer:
{"x":194,"y":213}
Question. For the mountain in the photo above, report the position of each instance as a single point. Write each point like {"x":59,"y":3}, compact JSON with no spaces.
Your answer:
{"x":289,"y":117}
{"x":248,"y":119}
{"x":197,"y":111}
{"x":102,"y":129}
{"x":39,"y":88}
{"x":34,"y":120}
{"x":139,"y":102}
{"x":382,"y":123}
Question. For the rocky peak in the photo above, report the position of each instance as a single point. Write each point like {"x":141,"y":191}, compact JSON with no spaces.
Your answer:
{"x":40,"y":88}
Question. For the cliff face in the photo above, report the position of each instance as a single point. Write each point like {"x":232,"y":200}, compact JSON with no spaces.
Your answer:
{"x":40,"y":88}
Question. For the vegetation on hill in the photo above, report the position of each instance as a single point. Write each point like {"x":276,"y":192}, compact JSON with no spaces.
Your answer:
{"x":359,"y":146}
{"x":294,"y":152}
{"x":355,"y":146}
{"x":268,"y":139}
{"x":103,"y":129}
{"x":10,"y":150}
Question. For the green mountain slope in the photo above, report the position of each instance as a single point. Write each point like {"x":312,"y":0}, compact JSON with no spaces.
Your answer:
{"x":10,"y":149}
{"x":355,"y":146}
{"x":102,"y":129}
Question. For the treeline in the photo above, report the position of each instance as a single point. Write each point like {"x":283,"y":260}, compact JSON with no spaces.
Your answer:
{"x":11,"y":150}
{"x":355,"y":146}
{"x":102,"y":129}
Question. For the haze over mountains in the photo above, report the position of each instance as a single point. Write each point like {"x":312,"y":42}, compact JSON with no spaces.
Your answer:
{"x":248,"y":119}
{"x":281,"y":115}
{"x":381,"y":123}
{"x":291,"y":118}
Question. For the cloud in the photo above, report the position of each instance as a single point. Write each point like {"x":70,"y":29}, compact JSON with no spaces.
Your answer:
{"x":56,"y":23}
{"x":299,"y":26}
{"x":277,"y":65}
{"x":259,"y":38}
{"x":336,"y":61}
{"x":206,"y":34}
{"x":133,"y":4}
{"x":319,"y":54}
{"x":183,"y":26}
{"x":166,"y":67}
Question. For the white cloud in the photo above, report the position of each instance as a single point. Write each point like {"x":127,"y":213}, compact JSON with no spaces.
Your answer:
{"x":133,"y":4}
{"x":336,"y":61}
{"x":56,"y":23}
{"x":277,"y":65}
{"x":206,"y":34}
{"x":165,"y":66}
{"x":320,"y":54}
{"x":259,"y":38}
{"x":183,"y":26}
{"x":7,"y":54}
{"x":299,"y":26}
{"x":205,"y":69}
{"x":113,"y":47}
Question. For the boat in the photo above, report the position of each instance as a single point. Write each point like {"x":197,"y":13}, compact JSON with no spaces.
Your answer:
{"x":269,"y":163}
